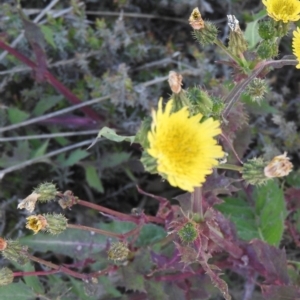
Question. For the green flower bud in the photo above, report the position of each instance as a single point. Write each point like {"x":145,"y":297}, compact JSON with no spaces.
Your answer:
{"x":267,"y":49}
{"x":207,"y":35}
{"x":14,"y":251}
{"x":6,"y":276}
{"x":47,"y":191}
{"x":188,"y":233}
{"x":200,"y":101}
{"x":267,"y":30}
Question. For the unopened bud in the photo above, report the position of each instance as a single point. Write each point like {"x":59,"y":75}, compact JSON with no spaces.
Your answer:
{"x":14,"y":251}
{"x":200,"y":101}
{"x":175,"y":82}
{"x":266,"y":29}
{"x":279,"y":166}
{"x":267,"y":49}
{"x":6,"y":276}
{"x":47,"y":191}
{"x":188,"y":233}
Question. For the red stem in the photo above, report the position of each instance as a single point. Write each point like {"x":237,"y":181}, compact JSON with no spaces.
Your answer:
{"x":51,"y":79}
{"x":119,"y":215}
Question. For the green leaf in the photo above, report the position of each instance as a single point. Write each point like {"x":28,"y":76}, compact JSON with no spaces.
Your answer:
{"x":111,"y":134}
{"x":251,"y":33}
{"x":265,"y":220}
{"x":32,"y":281}
{"x":18,"y":291}
{"x":93,"y":179}
{"x":75,"y":157}
{"x":40,"y":151}
{"x":114,"y":159}
{"x":48,"y":35}
{"x":45,"y":104}
{"x":271,"y":210}
{"x":242,"y":215}
{"x":16,"y":115}
{"x":150,"y":233}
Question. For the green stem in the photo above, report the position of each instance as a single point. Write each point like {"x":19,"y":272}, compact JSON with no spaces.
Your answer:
{"x":235,"y":93}
{"x":229,"y":167}
{"x":232,"y":56}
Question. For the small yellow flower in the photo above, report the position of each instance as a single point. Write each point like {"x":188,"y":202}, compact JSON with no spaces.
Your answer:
{"x":296,"y":45}
{"x":184,"y":148}
{"x":283,"y":10}
{"x":279,"y":166}
{"x":36,"y":223}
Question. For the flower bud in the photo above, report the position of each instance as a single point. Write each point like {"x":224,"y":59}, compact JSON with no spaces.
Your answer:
{"x":279,"y":166}
{"x":204,"y":32}
{"x":47,"y":191}
{"x":257,"y":89}
{"x":267,"y":49}
{"x":188,"y":233}
{"x":149,"y":163}
{"x":200,"y":101}
{"x":14,"y":251}
{"x":67,"y":199}
{"x":267,"y":30}
{"x":118,"y":252}
{"x":6,"y":276}
{"x":237,"y":43}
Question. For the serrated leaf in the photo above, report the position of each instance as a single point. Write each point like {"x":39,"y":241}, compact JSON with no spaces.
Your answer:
{"x":149,"y":234}
{"x":269,"y":261}
{"x":132,"y":280}
{"x":48,"y":35}
{"x":271,"y":212}
{"x":93,"y":179}
{"x":75,"y":157}
{"x":40,"y":151}
{"x":46,"y":103}
{"x":18,"y":291}
{"x":155,"y":291}
{"x":16,"y":115}
{"x":111,"y":134}
{"x":265,"y":220}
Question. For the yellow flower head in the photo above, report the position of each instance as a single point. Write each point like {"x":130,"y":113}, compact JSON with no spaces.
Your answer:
{"x":296,"y":45}
{"x":36,"y":223}
{"x":283,"y":10}
{"x":185,"y":149}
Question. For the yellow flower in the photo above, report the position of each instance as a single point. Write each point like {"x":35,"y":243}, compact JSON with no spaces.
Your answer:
{"x":185,"y":149}
{"x":283,"y":10}
{"x":296,"y":45}
{"x":36,"y":223}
